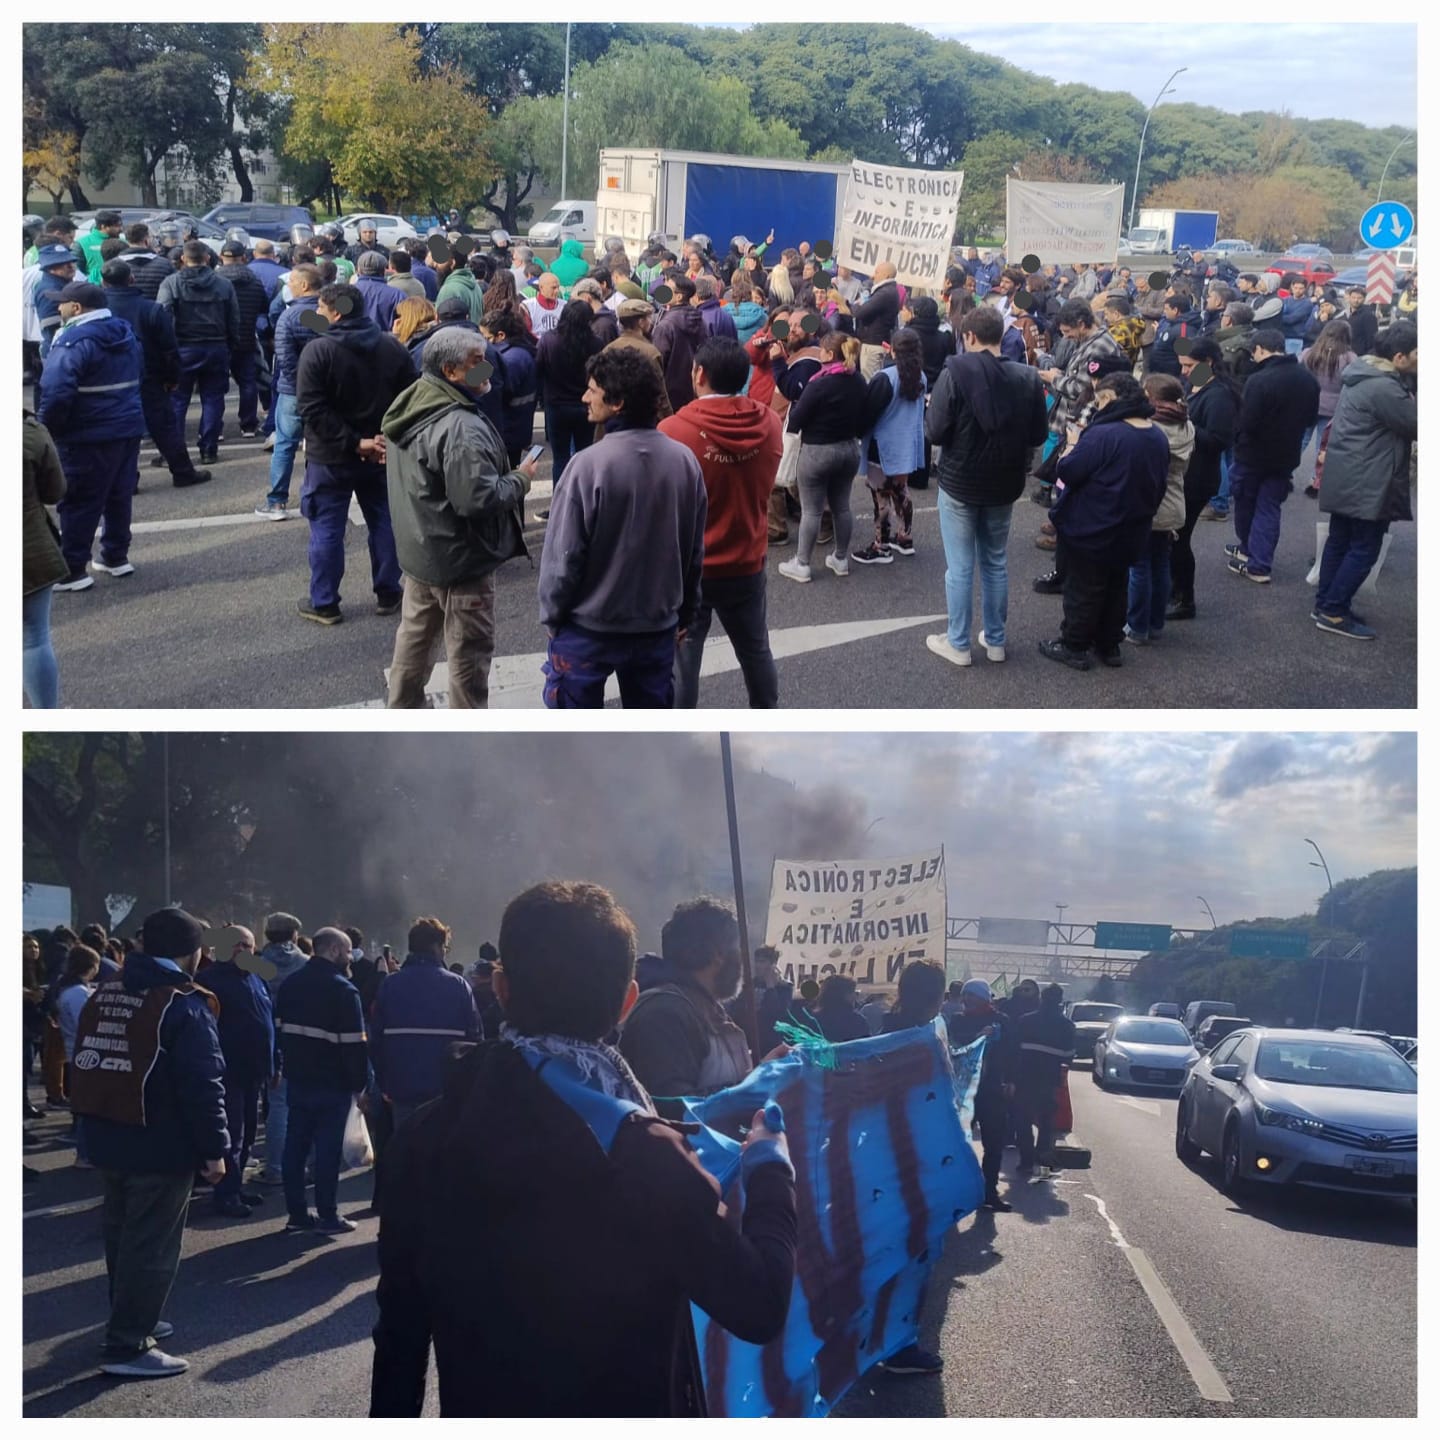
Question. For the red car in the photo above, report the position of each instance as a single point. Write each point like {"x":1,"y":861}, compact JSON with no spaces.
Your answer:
{"x":1310,"y":267}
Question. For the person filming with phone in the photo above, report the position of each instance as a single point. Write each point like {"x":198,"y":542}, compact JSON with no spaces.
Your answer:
{"x":457,"y":508}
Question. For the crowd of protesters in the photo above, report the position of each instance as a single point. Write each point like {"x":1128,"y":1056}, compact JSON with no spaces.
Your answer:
{"x":727,"y":404}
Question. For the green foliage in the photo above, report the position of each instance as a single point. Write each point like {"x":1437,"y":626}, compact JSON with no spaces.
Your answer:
{"x":986,"y":162}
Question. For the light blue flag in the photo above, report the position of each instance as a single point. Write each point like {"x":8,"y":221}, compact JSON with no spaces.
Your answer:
{"x":879,"y":1133}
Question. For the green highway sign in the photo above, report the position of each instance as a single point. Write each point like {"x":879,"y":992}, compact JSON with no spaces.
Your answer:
{"x":1112,"y":936}
{"x":1269,"y":944}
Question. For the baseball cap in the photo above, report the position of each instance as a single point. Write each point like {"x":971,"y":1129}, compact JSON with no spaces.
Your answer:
{"x":82,"y":292}
{"x":452,"y":308}
{"x":51,"y":255}
{"x":232,"y":247}
{"x":629,"y":309}
{"x":372,"y":262}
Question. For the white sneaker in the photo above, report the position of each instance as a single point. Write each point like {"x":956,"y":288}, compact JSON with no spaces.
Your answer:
{"x":82,"y":581}
{"x":794,"y":570}
{"x":940,"y":645}
{"x":124,"y":568}
{"x":840,"y":567}
{"x":148,"y":1365}
{"x":992,"y":652}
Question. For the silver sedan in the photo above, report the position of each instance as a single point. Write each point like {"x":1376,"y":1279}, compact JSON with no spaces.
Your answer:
{"x":1303,"y":1107}
{"x":1146,"y":1050}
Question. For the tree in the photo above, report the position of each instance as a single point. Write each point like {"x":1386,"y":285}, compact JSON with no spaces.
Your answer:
{"x":986,"y":162}
{"x":1105,"y":990}
{"x":53,"y":163}
{"x":393,"y":132}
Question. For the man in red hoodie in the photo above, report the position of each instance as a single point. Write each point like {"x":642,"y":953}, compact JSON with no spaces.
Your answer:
{"x":737,"y":442}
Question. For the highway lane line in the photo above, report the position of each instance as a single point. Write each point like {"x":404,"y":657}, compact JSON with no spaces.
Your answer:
{"x":70,"y":1207}
{"x":1148,"y":1107}
{"x":1202,"y":1369}
{"x":197,"y":522}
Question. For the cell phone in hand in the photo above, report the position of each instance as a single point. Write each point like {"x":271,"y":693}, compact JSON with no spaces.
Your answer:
{"x":533,"y":454}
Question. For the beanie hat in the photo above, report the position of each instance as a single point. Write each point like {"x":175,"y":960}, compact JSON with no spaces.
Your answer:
{"x":977,"y":987}
{"x":170,"y":933}
{"x":629,"y":289}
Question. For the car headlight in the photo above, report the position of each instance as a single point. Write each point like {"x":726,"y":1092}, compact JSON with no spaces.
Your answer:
{"x":1266,"y":1116}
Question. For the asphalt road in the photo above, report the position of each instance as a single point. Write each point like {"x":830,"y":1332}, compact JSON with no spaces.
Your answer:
{"x":208,"y":620}
{"x":1294,"y":1306}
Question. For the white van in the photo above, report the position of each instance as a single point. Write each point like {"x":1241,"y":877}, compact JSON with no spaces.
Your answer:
{"x":567,"y":220}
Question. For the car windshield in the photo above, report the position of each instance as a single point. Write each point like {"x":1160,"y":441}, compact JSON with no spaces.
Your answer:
{"x":1144,"y":234}
{"x":1152,"y":1032}
{"x":555,"y":215}
{"x":1339,"y":1066}
{"x":1103,"y":1013}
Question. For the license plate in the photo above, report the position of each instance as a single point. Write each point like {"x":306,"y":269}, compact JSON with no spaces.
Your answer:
{"x":1365,"y":1165}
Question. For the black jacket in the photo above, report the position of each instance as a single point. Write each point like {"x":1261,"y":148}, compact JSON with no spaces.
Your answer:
{"x":249,"y":295}
{"x":1364,"y":327}
{"x":841,"y":1023}
{"x":1212,"y":412}
{"x":876,"y":319}
{"x":512,"y":1208}
{"x":831,"y":409}
{"x":346,"y":380}
{"x":1280,"y":402}
{"x":1111,"y":485}
{"x":1001,"y":1049}
{"x":936,"y":347}
{"x":149,"y":274}
{"x":152,"y":323}
{"x":1045,"y":1046}
{"x":558,"y":378}
{"x":204,"y":307}
{"x":988,"y":414}
{"x":321,"y":1030}
{"x":355,"y":251}
{"x":678,"y":334}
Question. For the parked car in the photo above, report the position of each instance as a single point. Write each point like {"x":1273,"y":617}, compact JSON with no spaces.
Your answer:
{"x":1092,"y":1018}
{"x":1234,"y":247}
{"x":1403,"y":1043}
{"x":1355,"y":275}
{"x":1197,"y":1011}
{"x":261,"y":222}
{"x":1303,"y":1107}
{"x":1166,"y":1008}
{"x":1216,"y":1027}
{"x":1308,"y":267}
{"x":388,"y":228}
{"x":1144,"y":1050}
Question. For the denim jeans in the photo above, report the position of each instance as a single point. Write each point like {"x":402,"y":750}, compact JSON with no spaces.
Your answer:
{"x":739,"y":601}
{"x":325,"y":503}
{"x":42,"y":675}
{"x":580,"y":661}
{"x":277,"y":1124}
{"x":975,"y":536}
{"x":1220,"y":501}
{"x":317,"y":1117}
{"x":826,"y":475}
{"x":1150,"y":587}
{"x":289,"y":432}
{"x":1350,"y":554}
{"x":1258,"y":499}
{"x":242,"y":1116}
{"x":206,"y":367}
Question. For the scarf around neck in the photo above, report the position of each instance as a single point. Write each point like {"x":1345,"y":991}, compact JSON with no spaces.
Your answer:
{"x":1138,"y":408}
{"x":601,"y":1067}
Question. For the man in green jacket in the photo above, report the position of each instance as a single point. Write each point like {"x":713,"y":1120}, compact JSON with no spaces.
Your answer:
{"x":569,"y":266}
{"x":457,"y":279}
{"x":456,"y":508}
{"x":106,"y":227}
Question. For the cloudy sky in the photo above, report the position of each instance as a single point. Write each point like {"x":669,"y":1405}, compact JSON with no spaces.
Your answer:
{"x":1123,"y":827}
{"x":1363,"y":72}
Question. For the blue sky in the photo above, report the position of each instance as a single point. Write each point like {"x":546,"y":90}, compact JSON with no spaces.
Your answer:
{"x":1364,"y":72}
{"x":1122,"y":826}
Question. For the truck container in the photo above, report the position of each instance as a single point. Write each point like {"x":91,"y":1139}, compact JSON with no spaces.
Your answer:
{"x":1163,"y":232}
{"x":686,"y":192}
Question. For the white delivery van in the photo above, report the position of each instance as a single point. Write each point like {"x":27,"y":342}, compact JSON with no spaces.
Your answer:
{"x":566,"y":220}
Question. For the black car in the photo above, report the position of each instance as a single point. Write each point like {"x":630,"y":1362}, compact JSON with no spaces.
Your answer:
{"x":1214,"y":1028}
{"x":261,"y":222}
{"x":1092,"y":1019}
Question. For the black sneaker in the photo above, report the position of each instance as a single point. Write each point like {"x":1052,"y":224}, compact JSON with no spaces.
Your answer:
{"x":77,"y":580}
{"x":300,"y":1224}
{"x":1058,"y":650}
{"x":209,"y":457}
{"x":994,"y":1202}
{"x":873,"y":554}
{"x":912,"y":1360}
{"x":1236,"y":552}
{"x":1049,"y":584}
{"x":33,"y":1112}
{"x":387,"y":602}
{"x":903,"y":547}
{"x":1112,"y":658}
{"x":1181,"y":610}
{"x":234,"y":1209}
{"x":252,"y":1198}
{"x":320,"y":614}
{"x":195,"y":477}
{"x":250,"y":432}
{"x":158,"y":462}
{"x":335,"y":1225}
{"x":1043,"y":495}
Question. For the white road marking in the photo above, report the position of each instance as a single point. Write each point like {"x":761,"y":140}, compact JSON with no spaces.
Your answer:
{"x":70,"y":1207}
{"x":197,"y":522}
{"x":1192,"y":1352}
{"x":1150,"y":1107}
{"x":516,"y":681}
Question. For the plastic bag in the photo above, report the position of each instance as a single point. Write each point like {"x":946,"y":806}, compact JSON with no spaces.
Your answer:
{"x":356,"y":1150}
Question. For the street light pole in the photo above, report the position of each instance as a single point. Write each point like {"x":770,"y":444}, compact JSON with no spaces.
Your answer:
{"x":1059,"y":919}
{"x":1135,"y":193}
{"x":1324,"y":960}
{"x":1380,"y":188}
{"x":165,"y":800}
{"x":565,"y":124}
{"x":1208,"y":910}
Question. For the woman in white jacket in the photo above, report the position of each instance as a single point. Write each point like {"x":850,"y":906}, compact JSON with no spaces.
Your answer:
{"x":1150,"y":577}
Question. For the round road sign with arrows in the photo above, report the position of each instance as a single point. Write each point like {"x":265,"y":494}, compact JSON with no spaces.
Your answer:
{"x":1387,"y":225}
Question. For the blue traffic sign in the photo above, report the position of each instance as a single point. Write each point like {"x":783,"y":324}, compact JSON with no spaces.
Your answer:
{"x":1386,"y":225}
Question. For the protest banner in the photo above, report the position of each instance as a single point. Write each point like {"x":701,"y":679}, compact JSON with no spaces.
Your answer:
{"x":904,"y":216}
{"x":863,"y":918}
{"x":879,"y":1136}
{"x":1062,"y":224}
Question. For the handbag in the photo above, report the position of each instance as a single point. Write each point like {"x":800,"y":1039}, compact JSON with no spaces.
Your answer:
{"x":787,"y":477}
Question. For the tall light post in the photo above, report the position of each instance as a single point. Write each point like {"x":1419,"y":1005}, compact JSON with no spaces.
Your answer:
{"x":1208,"y":910}
{"x":1380,"y":188}
{"x":165,"y":801}
{"x":1059,"y":920}
{"x":1324,"y":960}
{"x":565,"y":124}
{"x":1144,"y":129}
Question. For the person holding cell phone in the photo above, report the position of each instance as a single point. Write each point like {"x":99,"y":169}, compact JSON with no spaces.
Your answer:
{"x":456,"y":506}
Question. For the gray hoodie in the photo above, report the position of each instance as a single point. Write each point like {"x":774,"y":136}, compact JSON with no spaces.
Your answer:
{"x":287,"y":958}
